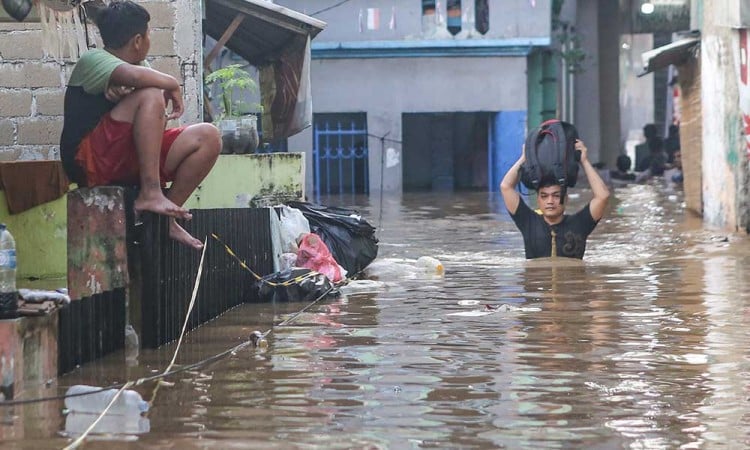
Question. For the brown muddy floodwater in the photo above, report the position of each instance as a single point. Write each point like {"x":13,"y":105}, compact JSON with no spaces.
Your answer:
{"x":643,"y":345}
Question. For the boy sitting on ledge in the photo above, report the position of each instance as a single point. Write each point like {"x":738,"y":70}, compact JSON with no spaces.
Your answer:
{"x":114,"y":129}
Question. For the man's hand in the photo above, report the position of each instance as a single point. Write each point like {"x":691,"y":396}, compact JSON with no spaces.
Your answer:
{"x":584,"y":151}
{"x":116,"y":93}
{"x":175,"y":96}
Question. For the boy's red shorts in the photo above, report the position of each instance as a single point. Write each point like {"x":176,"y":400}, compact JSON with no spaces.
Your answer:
{"x":107,"y":154}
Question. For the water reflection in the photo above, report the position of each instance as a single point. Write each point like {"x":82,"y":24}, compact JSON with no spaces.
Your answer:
{"x":644,"y":344}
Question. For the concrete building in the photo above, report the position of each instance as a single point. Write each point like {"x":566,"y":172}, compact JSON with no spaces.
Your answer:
{"x":714,"y":106}
{"x":428,"y":95}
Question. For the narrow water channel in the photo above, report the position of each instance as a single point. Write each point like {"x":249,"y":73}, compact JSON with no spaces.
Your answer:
{"x":645,"y":344}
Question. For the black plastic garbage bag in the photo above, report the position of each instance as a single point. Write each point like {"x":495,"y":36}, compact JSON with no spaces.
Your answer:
{"x":294,"y":285}
{"x":349,"y":237}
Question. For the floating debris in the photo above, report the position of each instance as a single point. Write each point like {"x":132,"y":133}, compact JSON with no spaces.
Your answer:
{"x":257,"y":339}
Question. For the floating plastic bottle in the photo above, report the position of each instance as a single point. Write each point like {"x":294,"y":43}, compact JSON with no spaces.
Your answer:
{"x":8,"y":289}
{"x":132,"y":345}
{"x":128,"y":403}
{"x":431,"y":265}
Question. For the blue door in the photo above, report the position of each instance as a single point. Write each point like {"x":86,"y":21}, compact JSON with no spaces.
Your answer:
{"x":507,"y":135}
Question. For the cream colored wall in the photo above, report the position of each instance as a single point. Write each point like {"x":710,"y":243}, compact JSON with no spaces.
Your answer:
{"x":257,"y":180}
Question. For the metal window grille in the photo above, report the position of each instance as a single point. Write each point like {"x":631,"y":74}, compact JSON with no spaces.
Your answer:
{"x":341,"y":155}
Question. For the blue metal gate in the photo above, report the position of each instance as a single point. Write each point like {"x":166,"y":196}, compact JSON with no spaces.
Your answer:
{"x":341,"y":156}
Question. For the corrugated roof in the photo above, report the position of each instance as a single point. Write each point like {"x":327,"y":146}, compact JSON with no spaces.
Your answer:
{"x":673,"y":53}
{"x":264,"y":32}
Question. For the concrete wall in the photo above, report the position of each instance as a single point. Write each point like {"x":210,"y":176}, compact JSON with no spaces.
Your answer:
{"x":723,"y":161}
{"x":596,"y":96}
{"x":257,"y":180}
{"x":386,"y":88}
{"x":32,"y":86}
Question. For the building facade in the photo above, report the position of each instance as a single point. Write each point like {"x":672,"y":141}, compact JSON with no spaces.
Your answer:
{"x":424,"y":95}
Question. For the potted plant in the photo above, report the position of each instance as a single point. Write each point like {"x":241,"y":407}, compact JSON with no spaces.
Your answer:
{"x":239,"y":127}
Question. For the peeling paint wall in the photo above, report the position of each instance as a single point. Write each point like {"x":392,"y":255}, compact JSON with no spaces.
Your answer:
{"x":254,"y":180}
{"x":723,"y":160}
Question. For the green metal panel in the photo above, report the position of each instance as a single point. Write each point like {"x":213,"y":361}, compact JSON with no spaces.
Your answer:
{"x":542,"y":87}
{"x":549,"y":85}
{"x":535,"y":88}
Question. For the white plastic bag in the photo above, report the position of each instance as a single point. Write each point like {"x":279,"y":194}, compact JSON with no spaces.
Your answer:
{"x":293,"y":225}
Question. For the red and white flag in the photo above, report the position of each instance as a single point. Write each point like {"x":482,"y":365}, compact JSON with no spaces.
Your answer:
{"x":373,"y":18}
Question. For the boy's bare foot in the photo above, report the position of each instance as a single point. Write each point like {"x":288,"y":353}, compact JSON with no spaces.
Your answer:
{"x":179,"y":234}
{"x":159,"y":204}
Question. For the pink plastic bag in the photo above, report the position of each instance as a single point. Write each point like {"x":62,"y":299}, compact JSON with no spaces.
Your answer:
{"x":314,"y":255}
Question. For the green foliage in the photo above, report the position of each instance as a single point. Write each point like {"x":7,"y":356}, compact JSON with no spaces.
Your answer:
{"x":233,"y":80}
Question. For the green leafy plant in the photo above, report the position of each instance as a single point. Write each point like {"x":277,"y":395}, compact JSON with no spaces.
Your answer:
{"x":233,"y":81}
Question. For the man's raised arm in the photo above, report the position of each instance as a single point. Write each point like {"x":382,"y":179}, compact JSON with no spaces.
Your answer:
{"x":598,"y":187}
{"x":509,"y":183}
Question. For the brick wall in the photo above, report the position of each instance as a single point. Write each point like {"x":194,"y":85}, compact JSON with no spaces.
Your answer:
{"x":691,"y":133}
{"x":32,"y":86}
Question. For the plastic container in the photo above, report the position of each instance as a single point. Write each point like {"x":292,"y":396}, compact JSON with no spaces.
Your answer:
{"x":77,"y":423}
{"x":430,"y":265}
{"x":7,"y":263}
{"x":128,"y":403}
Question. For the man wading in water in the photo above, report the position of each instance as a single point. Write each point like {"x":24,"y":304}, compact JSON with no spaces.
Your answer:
{"x":552,"y":232}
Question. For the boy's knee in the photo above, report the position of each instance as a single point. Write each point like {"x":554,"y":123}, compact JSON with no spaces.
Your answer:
{"x":212,"y":134}
{"x":208,"y":137}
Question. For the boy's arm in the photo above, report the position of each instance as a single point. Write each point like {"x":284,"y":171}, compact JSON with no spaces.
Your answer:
{"x":509,"y":183}
{"x":599,"y":188}
{"x":137,"y":77}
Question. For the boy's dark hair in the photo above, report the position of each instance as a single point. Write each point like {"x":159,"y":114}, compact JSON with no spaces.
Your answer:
{"x":121,"y":20}
{"x":650,"y":131}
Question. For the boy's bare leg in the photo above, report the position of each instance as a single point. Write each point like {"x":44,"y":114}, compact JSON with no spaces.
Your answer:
{"x":190,"y":158}
{"x":145,"y":109}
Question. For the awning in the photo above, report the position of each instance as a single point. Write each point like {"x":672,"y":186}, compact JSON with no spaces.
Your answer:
{"x":675,"y":53}
{"x":277,"y":41}
{"x":257,"y":30}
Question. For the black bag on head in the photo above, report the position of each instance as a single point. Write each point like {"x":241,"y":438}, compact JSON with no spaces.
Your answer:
{"x":551,"y":155}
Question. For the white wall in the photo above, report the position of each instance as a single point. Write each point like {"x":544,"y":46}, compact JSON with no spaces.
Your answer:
{"x":386,"y":88}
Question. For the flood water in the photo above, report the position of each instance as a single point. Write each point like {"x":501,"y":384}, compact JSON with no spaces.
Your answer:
{"x":645,"y":345}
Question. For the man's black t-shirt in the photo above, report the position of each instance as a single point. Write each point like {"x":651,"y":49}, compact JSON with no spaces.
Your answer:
{"x":570,"y":234}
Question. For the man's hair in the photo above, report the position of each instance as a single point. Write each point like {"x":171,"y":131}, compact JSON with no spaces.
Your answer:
{"x":547,"y":181}
{"x":550,"y":181}
{"x":650,"y":131}
{"x":623,"y":163}
{"x":119,"y":21}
